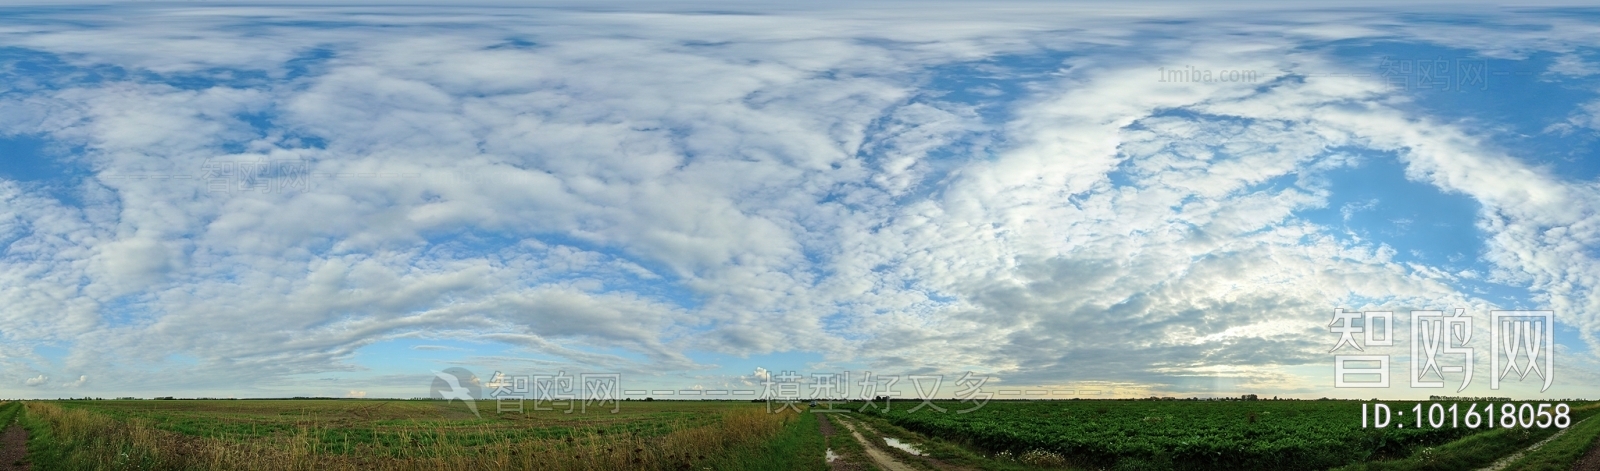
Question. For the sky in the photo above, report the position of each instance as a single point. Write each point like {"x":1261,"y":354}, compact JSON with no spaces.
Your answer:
{"x":277,"y":199}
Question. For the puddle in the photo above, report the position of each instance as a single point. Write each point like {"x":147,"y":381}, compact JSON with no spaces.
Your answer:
{"x":894,"y":442}
{"x":832,"y":456}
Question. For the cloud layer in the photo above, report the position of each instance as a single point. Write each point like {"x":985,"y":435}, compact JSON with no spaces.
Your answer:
{"x":246,"y":195}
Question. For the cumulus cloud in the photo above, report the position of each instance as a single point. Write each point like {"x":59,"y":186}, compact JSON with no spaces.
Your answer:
{"x":762,"y":374}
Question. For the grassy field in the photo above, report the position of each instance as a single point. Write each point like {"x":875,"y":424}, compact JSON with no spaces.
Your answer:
{"x":393,"y":434}
{"x":391,"y":426}
{"x":699,"y":435}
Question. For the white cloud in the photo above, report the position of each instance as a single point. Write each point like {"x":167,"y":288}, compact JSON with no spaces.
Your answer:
{"x":1573,"y":65}
{"x":740,"y":184}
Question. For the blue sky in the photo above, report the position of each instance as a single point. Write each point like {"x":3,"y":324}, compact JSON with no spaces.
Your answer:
{"x":263,"y":200}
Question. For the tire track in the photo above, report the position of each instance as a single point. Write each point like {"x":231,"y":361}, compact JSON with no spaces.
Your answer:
{"x":1502,"y":463}
{"x":836,"y":462}
{"x":883,"y":459}
{"x":14,"y":441}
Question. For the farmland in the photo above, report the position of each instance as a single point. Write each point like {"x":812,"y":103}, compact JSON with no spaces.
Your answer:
{"x":398,"y":434}
{"x":728,"y":435}
{"x":1185,"y":435}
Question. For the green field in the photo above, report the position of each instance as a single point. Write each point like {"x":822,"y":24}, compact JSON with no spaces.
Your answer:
{"x":1196,"y":435}
{"x":389,"y":427}
{"x":400,"y":434}
{"x":728,"y":435}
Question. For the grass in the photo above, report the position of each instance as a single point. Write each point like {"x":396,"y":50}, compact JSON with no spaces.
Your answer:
{"x":659,"y":435}
{"x":845,"y":445}
{"x":1474,"y":451}
{"x":8,"y":412}
{"x":1174,"y":435}
{"x":1468,"y":452}
{"x":1561,"y":453}
{"x":364,"y":426}
{"x":876,"y":438}
{"x":953,"y":453}
{"x":799,"y":446}
{"x":402,"y":435}
{"x":1181,"y":435}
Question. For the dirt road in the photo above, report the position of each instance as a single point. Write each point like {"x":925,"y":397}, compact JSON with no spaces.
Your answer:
{"x":1502,"y":463}
{"x":13,"y":446}
{"x":883,"y":459}
{"x":1590,"y":461}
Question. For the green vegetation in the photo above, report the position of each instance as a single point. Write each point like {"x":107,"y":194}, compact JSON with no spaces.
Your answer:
{"x":844,"y":446}
{"x":798,"y":447}
{"x":724,"y":435}
{"x":953,"y":453}
{"x":1474,"y":451}
{"x":390,"y":426}
{"x":1559,"y":454}
{"x":347,"y":434}
{"x":1183,"y":435}
{"x":8,"y":412}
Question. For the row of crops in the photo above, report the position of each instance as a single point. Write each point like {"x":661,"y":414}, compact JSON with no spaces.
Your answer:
{"x":1180,"y":435}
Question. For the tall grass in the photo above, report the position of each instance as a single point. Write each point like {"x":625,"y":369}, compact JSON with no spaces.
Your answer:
{"x":75,"y":439}
{"x":799,"y":446}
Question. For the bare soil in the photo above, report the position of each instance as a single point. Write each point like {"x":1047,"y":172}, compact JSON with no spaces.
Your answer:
{"x":936,"y":463}
{"x":1590,"y":460}
{"x":883,"y":459}
{"x":14,"y":449}
{"x":828,"y":431}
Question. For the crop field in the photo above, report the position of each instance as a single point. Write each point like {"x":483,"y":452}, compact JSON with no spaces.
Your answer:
{"x":727,"y":435}
{"x":400,"y":434}
{"x":391,"y":428}
{"x":1183,"y":435}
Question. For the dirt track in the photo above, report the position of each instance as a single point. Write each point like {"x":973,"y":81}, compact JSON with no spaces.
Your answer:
{"x":883,"y":459}
{"x":1590,"y":461}
{"x":836,"y":462}
{"x":13,"y":447}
